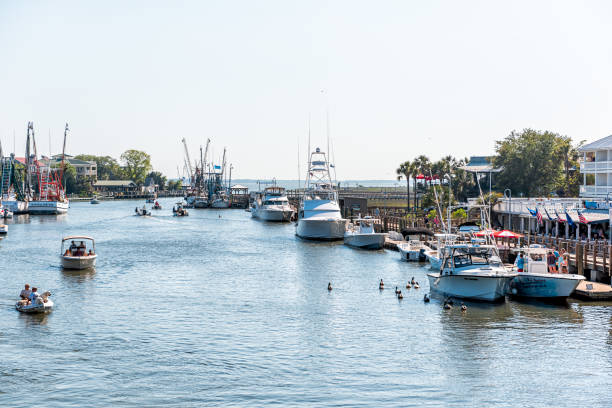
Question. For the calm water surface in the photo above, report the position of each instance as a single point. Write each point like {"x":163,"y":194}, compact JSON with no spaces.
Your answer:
{"x":205,"y":311}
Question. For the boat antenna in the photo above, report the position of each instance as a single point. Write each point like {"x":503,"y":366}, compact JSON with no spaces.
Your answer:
{"x":308,"y":173}
{"x":438,"y":204}
{"x":298,"y":163}
{"x":63,"y":153}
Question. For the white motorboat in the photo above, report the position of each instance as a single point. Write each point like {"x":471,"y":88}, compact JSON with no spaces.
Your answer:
{"x":143,"y":212}
{"x":179,"y":211}
{"x":94,"y":201}
{"x":272,"y":205}
{"x":81,"y":254}
{"x":360,"y":234}
{"x":220,"y":200}
{"x":319,"y":216}
{"x":536,"y":282}
{"x":48,"y":207}
{"x":3,"y":229}
{"x":413,"y":250}
{"x":471,"y":272}
{"x":434,"y":256}
{"x":5,"y":213}
{"x":42,"y":304}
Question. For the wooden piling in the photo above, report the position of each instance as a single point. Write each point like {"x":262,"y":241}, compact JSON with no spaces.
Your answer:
{"x":579,"y":259}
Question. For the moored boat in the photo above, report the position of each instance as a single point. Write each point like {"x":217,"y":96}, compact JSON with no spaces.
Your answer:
{"x":78,"y":256}
{"x":535,"y":281}
{"x":471,"y":272}
{"x":3,"y":229}
{"x":272,"y":205}
{"x":360,"y":233}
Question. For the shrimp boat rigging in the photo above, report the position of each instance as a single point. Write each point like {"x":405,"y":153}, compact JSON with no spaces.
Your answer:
{"x":50,"y":197}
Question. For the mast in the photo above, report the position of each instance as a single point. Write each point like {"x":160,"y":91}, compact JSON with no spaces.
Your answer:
{"x":28,"y":174}
{"x":63,"y":156}
{"x":188,"y":160}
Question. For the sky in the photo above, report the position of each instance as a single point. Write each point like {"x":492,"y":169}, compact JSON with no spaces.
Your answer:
{"x":395,"y":78}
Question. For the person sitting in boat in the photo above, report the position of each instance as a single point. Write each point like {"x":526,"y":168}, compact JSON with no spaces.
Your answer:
{"x":72,"y":248}
{"x":33,"y":296}
{"x":90,"y":253}
{"x":25,"y":293}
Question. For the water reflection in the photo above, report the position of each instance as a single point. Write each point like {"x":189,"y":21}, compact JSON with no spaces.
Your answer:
{"x":30,"y":320}
{"x":78,"y":276}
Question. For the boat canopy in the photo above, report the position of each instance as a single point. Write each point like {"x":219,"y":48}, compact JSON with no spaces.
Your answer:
{"x":77,"y":237}
{"x":321,"y":205}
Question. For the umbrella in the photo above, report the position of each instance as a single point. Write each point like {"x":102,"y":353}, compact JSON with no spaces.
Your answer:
{"x":420,"y":177}
{"x":506,"y":234}
{"x":485,"y":233}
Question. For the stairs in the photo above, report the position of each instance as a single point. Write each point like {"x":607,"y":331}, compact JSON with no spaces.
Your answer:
{"x":5,"y":181}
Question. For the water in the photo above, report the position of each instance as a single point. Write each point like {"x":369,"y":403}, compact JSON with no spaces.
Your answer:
{"x":205,"y":311}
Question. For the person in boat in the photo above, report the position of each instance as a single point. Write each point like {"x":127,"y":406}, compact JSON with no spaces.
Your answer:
{"x":563,"y":262}
{"x":520,"y":262}
{"x":90,"y":253}
{"x":550,"y":260}
{"x":33,"y":296}
{"x":72,"y":247}
{"x":25,"y":293}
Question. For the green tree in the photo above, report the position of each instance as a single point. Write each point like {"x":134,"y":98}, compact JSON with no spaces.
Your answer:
{"x":69,"y":178}
{"x":531,"y":161}
{"x":158,"y":179}
{"x":174,"y":185}
{"x":136,"y":165}
{"x":405,"y":170}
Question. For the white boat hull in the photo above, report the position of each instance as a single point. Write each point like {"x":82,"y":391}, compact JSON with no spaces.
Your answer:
{"x":536,"y":285}
{"x":485,"y":288}
{"x":78,"y":262}
{"x":3,"y":229}
{"x":272,"y":215}
{"x":37,"y":308}
{"x":321,"y":229}
{"x":409,"y":254}
{"x":365,"y":241}
{"x":16,"y":207}
{"x":48,"y":207}
{"x":435,"y":262}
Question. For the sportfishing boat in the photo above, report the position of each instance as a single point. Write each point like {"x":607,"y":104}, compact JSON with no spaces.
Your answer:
{"x":360,"y":234}
{"x":413,"y":250}
{"x":81,"y":254}
{"x":471,"y":272}
{"x":537,"y":282}
{"x":3,"y":229}
{"x":272,"y":205}
{"x":434,"y":256}
{"x":179,"y":211}
{"x":42,"y":304}
{"x":319,"y":215}
{"x":143,"y":212}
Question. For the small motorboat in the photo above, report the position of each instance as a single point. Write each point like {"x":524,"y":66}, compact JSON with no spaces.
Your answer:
{"x":413,"y":250}
{"x":143,"y":212}
{"x":5,"y":213}
{"x":42,"y":304}
{"x":157,"y":205}
{"x":179,"y":211}
{"x":3,"y":229}
{"x":360,"y":234}
{"x":81,"y":254}
{"x":94,"y":201}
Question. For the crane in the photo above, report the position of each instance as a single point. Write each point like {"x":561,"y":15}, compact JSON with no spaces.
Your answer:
{"x":187,"y":159}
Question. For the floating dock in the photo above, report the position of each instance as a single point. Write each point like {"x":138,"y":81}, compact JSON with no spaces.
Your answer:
{"x":593,"y":291}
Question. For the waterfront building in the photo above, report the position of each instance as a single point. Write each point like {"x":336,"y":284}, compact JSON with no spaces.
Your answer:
{"x":83,"y":168}
{"x":115,"y":186}
{"x":596,"y":169}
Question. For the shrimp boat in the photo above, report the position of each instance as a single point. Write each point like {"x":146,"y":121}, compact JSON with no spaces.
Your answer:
{"x":319,"y":216}
{"x":11,"y":195}
{"x":50,"y":197}
{"x":412,"y":251}
{"x":536,"y":282}
{"x":473,"y":272}
{"x":42,"y":304}
{"x":272,"y":205}
{"x":360,"y":234}
{"x":78,"y":256}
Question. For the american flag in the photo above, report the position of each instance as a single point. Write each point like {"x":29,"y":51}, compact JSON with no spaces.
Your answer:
{"x":539,"y":216}
{"x":581,"y":218}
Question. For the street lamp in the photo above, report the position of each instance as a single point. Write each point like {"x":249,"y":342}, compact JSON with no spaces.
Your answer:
{"x":508,"y":196}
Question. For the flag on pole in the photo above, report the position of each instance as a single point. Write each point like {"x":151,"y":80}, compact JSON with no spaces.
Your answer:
{"x":581,"y":218}
{"x":558,"y":218}
{"x":533,"y":212}
{"x":548,"y":215}
{"x":569,"y":219}
{"x":539,"y":216}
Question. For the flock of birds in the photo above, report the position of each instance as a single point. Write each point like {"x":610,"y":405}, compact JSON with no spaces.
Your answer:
{"x":448,"y":302}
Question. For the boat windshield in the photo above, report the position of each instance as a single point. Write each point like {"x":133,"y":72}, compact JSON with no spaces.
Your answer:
{"x":469,"y":256}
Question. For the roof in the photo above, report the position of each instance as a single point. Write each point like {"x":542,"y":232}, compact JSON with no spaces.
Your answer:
{"x":73,"y":162}
{"x":114,"y":183}
{"x":239,"y":187}
{"x":480,"y":164}
{"x":77,"y":237}
{"x":601,"y":144}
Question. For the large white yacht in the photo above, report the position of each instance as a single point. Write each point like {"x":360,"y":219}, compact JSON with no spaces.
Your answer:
{"x":272,"y":205}
{"x":319,"y":215}
{"x":536,"y":282}
{"x":471,"y":271}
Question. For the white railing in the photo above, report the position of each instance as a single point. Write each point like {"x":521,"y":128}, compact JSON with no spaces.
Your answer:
{"x":519,"y":206}
{"x":596,"y":166}
{"x":595,"y":191}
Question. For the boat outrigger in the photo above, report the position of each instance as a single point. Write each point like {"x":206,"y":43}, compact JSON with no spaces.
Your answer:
{"x":81,"y":255}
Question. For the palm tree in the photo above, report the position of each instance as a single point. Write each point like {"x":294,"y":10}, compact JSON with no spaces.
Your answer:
{"x":423,"y":164}
{"x":414,"y":170}
{"x":405,"y":170}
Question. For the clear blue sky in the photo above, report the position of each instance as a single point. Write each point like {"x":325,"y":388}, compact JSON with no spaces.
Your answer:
{"x":399,"y":78}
